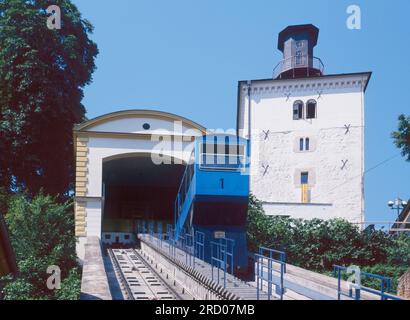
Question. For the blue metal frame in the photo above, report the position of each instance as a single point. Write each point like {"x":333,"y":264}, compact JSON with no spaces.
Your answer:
{"x":385,"y":285}
{"x":267,"y":255}
{"x":170,"y":240}
{"x":151,"y":230}
{"x":271,"y":252}
{"x":218,"y":260}
{"x":189,"y":249}
{"x":142,"y":227}
{"x":220,"y":252}
{"x":159,"y":233}
{"x":229,"y":245}
{"x":199,"y":245}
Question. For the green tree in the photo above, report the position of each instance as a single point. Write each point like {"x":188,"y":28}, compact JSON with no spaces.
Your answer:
{"x":42,"y":235}
{"x":42,"y":76}
{"x":402,"y":136}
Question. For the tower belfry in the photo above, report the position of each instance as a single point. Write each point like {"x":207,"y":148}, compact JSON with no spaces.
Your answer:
{"x":296,"y":44}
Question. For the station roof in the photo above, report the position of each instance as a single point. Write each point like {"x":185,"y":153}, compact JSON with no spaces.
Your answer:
{"x":133,"y":113}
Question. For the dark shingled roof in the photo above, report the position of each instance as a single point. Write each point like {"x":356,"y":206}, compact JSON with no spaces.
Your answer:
{"x":308,"y":28}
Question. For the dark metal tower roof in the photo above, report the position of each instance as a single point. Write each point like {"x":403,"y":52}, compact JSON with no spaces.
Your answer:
{"x":309,"y":29}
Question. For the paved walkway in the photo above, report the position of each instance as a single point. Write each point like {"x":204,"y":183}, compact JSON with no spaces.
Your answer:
{"x":94,"y":283}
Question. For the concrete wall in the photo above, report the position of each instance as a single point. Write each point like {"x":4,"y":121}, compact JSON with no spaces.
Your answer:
{"x":276,"y":162}
{"x":403,"y":289}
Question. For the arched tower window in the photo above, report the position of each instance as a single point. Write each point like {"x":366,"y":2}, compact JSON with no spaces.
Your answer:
{"x":298,"y":110}
{"x":311,"y":111}
{"x":307,"y":144}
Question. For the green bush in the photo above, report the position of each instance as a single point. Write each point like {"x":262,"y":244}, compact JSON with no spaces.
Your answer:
{"x":70,"y":286}
{"x":42,"y":235}
{"x":391,"y":271}
{"x":317,"y":245}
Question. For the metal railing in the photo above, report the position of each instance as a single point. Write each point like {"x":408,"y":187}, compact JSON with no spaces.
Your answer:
{"x":265,"y":270}
{"x":385,"y":286}
{"x":183,"y":190}
{"x":191,"y":244}
{"x":170,"y":240}
{"x":159,"y":234}
{"x":221,"y":251}
{"x":151,"y":230}
{"x":200,"y":245}
{"x":298,"y":62}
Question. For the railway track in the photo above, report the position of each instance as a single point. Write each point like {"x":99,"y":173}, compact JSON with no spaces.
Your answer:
{"x":138,"y":279}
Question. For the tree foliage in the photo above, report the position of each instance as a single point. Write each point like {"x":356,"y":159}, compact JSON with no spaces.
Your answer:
{"x":317,"y":245}
{"x":42,"y":235}
{"x":42,"y":76}
{"x":402,"y":136}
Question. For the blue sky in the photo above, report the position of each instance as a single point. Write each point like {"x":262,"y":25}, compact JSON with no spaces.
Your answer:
{"x":186,"y":57}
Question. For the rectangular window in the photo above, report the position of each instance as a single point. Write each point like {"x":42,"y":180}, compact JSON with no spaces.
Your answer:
{"x":127,"y":237}
{"x":307,"y":144}
{"x":311,"y":110}
{"x":107,"y":237}
{"x":301,"y":144}
{"x":304,"y":178}
{"x":230,"y":157}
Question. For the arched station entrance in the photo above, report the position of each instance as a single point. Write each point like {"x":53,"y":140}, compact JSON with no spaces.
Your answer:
{"x":135,"y":188}
{"x":117,"y":181}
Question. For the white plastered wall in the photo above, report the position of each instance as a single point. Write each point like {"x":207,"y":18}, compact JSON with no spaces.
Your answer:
{"x":276,"y":164}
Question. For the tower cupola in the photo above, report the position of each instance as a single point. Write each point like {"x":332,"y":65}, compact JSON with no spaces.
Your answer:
{"x":297,"y":43}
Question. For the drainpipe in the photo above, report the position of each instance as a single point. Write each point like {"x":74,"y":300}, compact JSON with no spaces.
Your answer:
{"x":249,"y":83}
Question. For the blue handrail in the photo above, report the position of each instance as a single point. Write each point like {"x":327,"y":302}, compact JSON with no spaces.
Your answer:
{"x":181,"y":207}
{"x":271,"y":252}
{"x":222,"y":251}
{"x":266,"y":255}
{"x":385,"y":285}
{"x":218,"y":260}
{"x":199,"y":245}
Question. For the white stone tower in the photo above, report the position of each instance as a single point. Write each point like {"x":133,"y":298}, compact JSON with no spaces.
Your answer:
{"x":307,"y":134}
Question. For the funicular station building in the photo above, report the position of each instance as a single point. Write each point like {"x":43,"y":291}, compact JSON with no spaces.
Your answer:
{"x":117,"y":181}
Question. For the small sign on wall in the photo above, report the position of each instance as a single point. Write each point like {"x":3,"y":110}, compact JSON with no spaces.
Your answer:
{"x":219,"y":234}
